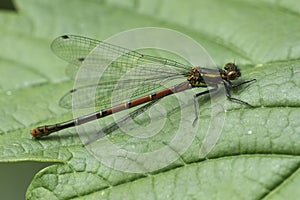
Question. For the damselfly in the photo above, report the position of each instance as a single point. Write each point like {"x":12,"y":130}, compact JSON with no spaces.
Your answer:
{"x":150,"y":73}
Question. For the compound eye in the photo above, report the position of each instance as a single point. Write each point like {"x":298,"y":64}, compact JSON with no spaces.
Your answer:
{"x":228,"y":66}
{"x":232,"y":75}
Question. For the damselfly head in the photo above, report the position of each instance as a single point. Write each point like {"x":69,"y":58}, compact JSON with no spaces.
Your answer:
{"x":231,"y":71}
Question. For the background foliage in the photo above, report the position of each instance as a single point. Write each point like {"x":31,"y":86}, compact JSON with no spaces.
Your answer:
{"x":262,"y":36}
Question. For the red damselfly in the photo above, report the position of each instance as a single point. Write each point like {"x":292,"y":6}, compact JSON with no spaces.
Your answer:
{"x":75,"y":49}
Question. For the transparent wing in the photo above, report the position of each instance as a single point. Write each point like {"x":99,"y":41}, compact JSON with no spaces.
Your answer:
{"x":129,"y":74}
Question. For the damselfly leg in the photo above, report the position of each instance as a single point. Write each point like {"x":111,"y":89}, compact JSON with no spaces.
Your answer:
{"x":232,"y":85}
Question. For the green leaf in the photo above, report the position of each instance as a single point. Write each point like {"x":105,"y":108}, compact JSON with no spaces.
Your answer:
{"x":257,"y":154}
